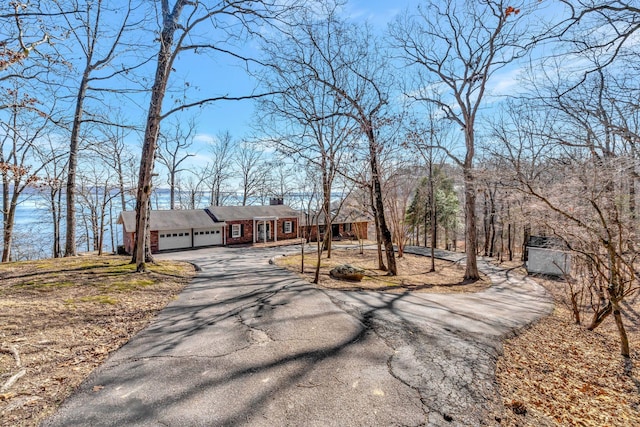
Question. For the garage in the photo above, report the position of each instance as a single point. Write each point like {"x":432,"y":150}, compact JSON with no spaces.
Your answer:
{"x":207,"y":236}
{"x":175,"y":229}
{"x":174,"y":239}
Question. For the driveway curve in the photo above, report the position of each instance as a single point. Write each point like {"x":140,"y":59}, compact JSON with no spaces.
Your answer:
{"x":248,"y":343}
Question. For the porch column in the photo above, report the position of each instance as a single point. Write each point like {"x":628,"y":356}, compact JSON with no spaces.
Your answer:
{"x":275,"y":230}
{"x":264,"y":229}
{"x":255,"y":231}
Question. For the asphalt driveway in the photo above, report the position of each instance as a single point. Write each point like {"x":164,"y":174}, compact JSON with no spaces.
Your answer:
{"x":248,"y":343}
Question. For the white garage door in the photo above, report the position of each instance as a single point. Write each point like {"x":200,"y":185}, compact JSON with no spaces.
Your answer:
{"x":174,"y":239}
{"x":207,"y":236}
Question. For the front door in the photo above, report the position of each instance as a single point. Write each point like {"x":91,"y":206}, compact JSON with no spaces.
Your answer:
{"x":261,"y":231}
{"x":335,"y":231}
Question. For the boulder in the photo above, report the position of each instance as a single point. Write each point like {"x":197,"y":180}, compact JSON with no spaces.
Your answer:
{"x":347,"y":272}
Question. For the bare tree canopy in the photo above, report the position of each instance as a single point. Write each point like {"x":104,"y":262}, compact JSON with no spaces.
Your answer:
{"x":455,"y":48}
{"x":183,"y":24}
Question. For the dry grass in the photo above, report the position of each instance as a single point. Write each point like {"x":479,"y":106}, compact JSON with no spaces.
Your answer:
{"x":558,"y":373}
{"x":59,"y":319}
{"x":413,"y":272}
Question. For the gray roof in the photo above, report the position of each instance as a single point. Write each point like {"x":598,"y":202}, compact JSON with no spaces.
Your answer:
{"x":345,"y":216}
{"x":235,"y":213}
{"x":169,"y":220}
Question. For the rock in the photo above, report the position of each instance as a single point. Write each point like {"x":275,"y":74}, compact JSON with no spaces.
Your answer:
{"x":347,"y":272}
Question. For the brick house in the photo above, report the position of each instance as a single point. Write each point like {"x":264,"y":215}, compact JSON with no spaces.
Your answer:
{"x":348,"y":223}
{"x":214,"y":226}
{"x":253,"y":224}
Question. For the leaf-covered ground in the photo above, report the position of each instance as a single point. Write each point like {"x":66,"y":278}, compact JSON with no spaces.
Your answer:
{"x":59,"y":320}
{"x":559,"y":374}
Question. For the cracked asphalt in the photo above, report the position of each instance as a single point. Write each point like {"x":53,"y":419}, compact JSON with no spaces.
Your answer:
{"x":248,"y":343}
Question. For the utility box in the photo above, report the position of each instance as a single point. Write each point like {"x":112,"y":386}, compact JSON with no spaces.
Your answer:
{"x":547,"y":255}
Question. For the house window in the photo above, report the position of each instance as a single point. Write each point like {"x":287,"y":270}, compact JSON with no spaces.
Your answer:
{"x":206,"y":232}
{"x":321,"y":229}
{"x":347,"y":227}
{"x":288,"y":225}
{"x":175,"y":234}
{"x":161,"y":236}
{"x":181,"y":234}
{"x":236,"y":230}
{"x":217,"y":231}
{"x":186,"y":234}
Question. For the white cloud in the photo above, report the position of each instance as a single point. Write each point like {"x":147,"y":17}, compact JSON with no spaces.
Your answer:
{"x":205,"y":138}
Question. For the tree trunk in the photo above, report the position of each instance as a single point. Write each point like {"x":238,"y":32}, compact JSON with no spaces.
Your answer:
{"x":70,"y":241}
{"x":379,"y":203}
{"x":9,"y":221}
{"x":599,"y":316}
{"x":316,"y":276}
{"x":426,"y":229}
{"x":163,"y":70}
{"x":432,"y":213}
{"x":485,"y":222}
{"x":526,"y":234}
{"x":302,"y":257}
{"x":381,"y":265}
{"x":56,"y":226}
{"x":7,"y":235}
{"x":624,"y":339}
{"x":509,"y":242}
{"x":471,"y":270}
{"x":6,"y":224}
{"x":172,"y":190}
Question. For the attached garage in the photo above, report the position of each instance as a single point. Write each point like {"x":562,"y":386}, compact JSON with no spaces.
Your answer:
{"x":208,"y":236}
{"x":174,"y":239}
{"x":177,"y":229}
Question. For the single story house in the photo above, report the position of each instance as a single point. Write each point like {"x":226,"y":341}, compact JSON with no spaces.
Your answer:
{"x":175,"y":229}
{"x":347,"y":223}
{"x":253,"y":224}
{"x":214,"y":226}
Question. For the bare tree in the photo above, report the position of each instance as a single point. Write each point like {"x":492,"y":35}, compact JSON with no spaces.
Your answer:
{"x":219,"y":170}
{"x":22,"y":129}
{"x":89,"y":28}
{"x":348,"y":65}
{"x":97,"y":193}
{"x":253,"y":170}
{"x":182,"y":25}
{"x":118,"y":156}
{"x":281,"y":180}
{"x":53,"y":156}
{"x":600,"y":31}
{"x":575,"y":167}
{"x":317,"y":129}
{"x":428,"y":139}
{"x":26,"y":36}
{"x":457,"y":47}
{"x":399,"y":188}
{"x":172,"y":153}
{"x":192,"y":188}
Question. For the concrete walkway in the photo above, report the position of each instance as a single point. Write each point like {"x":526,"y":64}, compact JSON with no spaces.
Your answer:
{"x":248,"y":343}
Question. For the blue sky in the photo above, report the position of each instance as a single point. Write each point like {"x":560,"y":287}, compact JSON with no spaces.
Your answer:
{"x":236,"y":116}
{"x":208,"y":77}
